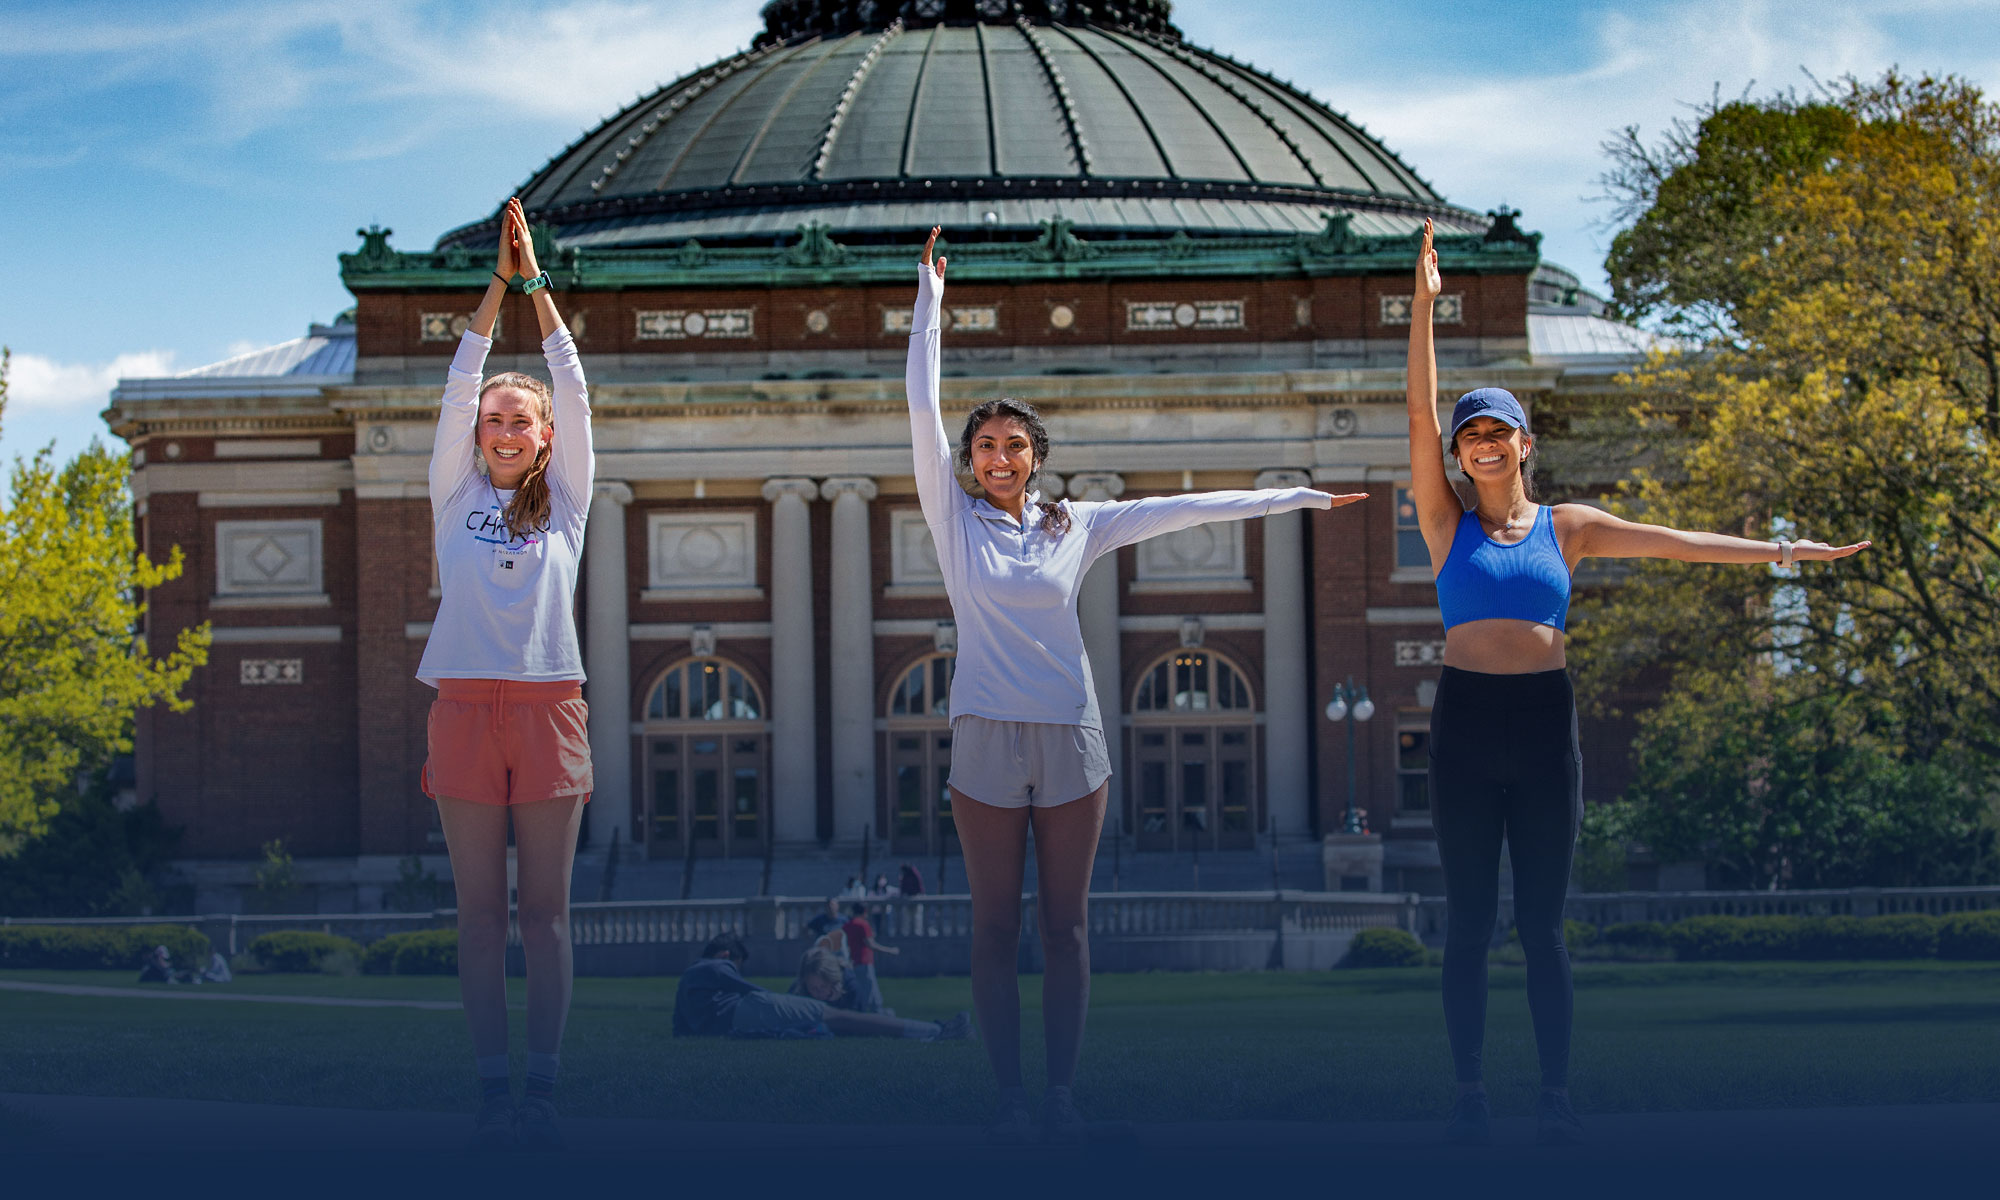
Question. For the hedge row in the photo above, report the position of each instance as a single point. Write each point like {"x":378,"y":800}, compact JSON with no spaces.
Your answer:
{"x":105,"y":947}
{"x":427,"y":952}
{"x":303,"y":950}
{"x":1965,"y":936}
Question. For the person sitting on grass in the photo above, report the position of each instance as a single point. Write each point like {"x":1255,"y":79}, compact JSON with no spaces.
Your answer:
{"x":826,"y":976}
{"x":714,"y":1000}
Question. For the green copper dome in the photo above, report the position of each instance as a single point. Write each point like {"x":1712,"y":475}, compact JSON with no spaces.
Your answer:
{"x":874,"y":117}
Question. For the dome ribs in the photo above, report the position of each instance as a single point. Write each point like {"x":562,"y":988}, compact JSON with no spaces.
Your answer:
{"x":1056,"y":81}
{"x":847,"y":99}
{"x":1139,"y":112}
{"x":907,"y":161}
{"x":1221,"y":135}
{"x":1284,"y":134}
{"x":695,"y":139}
{"x":743,"y":161}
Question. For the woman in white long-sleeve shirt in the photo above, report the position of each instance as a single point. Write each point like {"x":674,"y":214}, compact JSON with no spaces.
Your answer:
{"x":1027,"y":739}
{"x":507,"y":739}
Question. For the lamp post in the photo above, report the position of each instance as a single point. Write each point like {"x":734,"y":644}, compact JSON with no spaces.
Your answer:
{"x":1350,"y":704}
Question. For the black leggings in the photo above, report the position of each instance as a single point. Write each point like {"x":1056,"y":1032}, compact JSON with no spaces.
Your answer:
{"x":1504,"y":763}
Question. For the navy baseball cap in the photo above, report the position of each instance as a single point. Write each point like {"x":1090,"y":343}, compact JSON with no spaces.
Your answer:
{"x":1498,"y":403}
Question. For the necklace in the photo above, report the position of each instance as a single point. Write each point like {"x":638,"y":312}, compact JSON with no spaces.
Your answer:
{"x":1506,"y":526}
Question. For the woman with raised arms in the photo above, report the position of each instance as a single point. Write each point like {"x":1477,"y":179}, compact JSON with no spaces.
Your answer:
{"x":1028,"y":744}
{"x":510,"y":482}
{"x":1503,"y":745}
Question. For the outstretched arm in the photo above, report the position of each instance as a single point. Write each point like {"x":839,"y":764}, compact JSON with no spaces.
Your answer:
{"x":1438,"y":508}
{"x":453,"y":449}
{"x":937,"y":483}
{"x":1118,"y":523}
{"x":1587,"y":532}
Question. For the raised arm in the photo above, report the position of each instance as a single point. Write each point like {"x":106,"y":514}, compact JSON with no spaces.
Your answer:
{"x":1438,"y":507}
{"x":572,"y":459}
{"x":1587,"y":532}
{"x":454,"y":447}
{"x":1118,"y":523}
{"x":937,"y":483}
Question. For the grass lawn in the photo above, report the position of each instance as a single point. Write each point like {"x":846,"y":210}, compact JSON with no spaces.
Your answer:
{"x":1334,"y":1045}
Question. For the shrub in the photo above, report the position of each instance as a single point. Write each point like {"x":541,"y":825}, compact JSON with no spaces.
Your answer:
{"x":1735,"y":939}
{"x":1970,"y":936}
{"x":1579,"y":933}
{"x":301,"y":950}
{"x":1636,"y":935}
{"x":425,"y":952}
{"x":1384,"y":948}
{"x":1906,"y":936}
{"x":86,"y":947}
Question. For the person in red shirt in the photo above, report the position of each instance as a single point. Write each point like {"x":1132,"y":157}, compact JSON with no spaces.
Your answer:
{"x":861,"y":947}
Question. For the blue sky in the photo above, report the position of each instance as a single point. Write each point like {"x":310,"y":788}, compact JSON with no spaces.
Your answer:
{"x":176,"y":179}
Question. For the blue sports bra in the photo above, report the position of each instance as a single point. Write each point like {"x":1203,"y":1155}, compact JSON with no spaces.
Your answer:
{"x":1523,"y":581}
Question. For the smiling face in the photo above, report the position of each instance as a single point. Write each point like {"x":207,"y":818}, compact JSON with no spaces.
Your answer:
{"x":512,"y":431}
{"x":1489,"y":449}
{"x":1003,"y":460}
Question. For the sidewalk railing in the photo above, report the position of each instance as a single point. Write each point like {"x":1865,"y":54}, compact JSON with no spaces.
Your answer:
{"x":1613,"y":908}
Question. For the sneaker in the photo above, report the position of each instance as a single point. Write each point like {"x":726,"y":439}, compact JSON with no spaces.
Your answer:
{"x":493,"y":1127}
{"x":955,"y":1028}
{"x":1556,"y":1123}
{"x":1062,"y":1125}
{"x":1013,"y":1124}
{"x":535,"y":1125}
{"x":1471,"y":1121}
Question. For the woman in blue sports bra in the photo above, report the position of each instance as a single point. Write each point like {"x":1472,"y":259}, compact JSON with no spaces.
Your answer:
{"x":1504,"y":757}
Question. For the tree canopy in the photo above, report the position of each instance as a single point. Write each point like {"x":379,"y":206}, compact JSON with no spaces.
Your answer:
{"x":1838,"y":723}
{"x":73,"y":668}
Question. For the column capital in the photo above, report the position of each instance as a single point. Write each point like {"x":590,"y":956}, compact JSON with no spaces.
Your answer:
{"x":777,"y":489}
{"x":1097,"y":485}
{"x":847,"y":485}
{"x":1283,"y":477}
{"x":613,"y":490}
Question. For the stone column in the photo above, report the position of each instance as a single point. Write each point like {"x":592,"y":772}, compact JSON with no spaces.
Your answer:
{"x":607,"y":662}
{"x":852,"y":657}
{"x":794,"y":716}
{"x":1288,"y":709}
{"x":1097,"y":611}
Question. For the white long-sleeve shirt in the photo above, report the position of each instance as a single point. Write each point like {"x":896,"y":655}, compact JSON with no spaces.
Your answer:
{"x":507,"y":610}
{"x":1013,"y":585}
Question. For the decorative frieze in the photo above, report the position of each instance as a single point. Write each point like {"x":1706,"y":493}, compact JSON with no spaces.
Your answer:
{"x":448,"y":326}
{"x":701,"y":551}
{"x":1427,"y":653}
{"x":913,"y":560}
{"x":267,"y":558}
{"x":957,"y":318}
{"x":680,"y":324}
{"x":1156,"y":316}
{"x":1448,"y":309}
{"x":256,"y":672}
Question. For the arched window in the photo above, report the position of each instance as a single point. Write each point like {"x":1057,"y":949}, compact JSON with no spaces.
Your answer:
{"x":705,"y":689}
{"x":1194,"y":739}
{"x":917,"y":733}
{"x":1192,"y":681}
{"x":706,"y":746}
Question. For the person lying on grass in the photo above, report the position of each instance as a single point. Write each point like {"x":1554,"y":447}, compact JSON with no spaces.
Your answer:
{"x":714,"y":1000}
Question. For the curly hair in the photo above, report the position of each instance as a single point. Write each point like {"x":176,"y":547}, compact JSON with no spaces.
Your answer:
{"x":528,"y":511}
{"x":1055,"y":518}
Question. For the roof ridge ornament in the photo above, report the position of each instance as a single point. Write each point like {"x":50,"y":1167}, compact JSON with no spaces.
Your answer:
{"x":816,"y":248}
{"x":838,"y":116}
{"x":1059,"y":243}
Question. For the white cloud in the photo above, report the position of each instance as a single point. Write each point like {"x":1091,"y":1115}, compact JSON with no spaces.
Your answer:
{"x":1485,"y":133}
{"x":39,"y":384}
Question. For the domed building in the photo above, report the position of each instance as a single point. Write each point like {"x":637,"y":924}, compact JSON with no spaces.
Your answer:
{"x":1198,"y":272}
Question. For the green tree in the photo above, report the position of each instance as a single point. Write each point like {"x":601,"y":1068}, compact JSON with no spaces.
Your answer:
{"x":1853,"y":394}
{"x":73,"y":669}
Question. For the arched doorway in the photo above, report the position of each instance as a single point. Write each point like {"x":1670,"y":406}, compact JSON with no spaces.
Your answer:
{"x":1194,"y":759}
{"x":917,"y":729}
{"x":706,"y":742}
